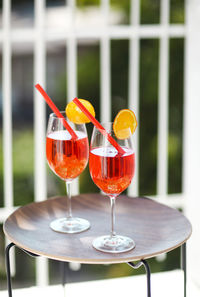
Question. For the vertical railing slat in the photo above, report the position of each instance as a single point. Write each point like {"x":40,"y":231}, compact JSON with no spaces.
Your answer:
{"x":105,"y":79}
{"x":40,"y":126}
{"x":133,"y":95}
{"x":7,"y":107}
{"x":72,"y":70}
{"x":7,"y":115}
{"x":162,"y":167}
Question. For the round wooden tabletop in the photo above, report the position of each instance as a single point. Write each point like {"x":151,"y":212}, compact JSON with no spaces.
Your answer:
{"x":154,"y":227}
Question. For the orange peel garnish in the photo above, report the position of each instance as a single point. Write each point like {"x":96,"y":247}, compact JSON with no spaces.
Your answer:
{"x":74,"y":113}
{"x":125,"y":123}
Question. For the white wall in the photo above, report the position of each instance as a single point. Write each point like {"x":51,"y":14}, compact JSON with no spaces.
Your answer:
{"x":192,"y":134}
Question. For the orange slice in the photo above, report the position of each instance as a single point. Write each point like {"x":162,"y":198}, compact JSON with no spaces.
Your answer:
{"x":74,"y":113}
{"x":124,"y":119}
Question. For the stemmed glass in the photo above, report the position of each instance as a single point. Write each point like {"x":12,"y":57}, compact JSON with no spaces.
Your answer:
{"x":112,"y":172}
{"x":67,"y":158}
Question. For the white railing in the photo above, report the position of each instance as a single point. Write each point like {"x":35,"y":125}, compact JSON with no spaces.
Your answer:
{"x":39,"y":35}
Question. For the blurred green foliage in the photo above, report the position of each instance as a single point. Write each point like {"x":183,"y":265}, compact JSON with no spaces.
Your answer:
{"x":85,"y":3}
{"x":148,"y":115}
{"x":150,"y":11}
{"x":119,"y":77}
{"x":23,"y":166}
{"x":177,"y":15}
{"x":175,"y":139}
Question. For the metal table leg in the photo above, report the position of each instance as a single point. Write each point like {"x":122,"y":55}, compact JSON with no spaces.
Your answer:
{"x":63,"y":270}
{"x":183,"y":265}
{"x":9,"y":282}
{"x":148,"y":273}
{"x":135,"y":266}
{"x":8,"y":268}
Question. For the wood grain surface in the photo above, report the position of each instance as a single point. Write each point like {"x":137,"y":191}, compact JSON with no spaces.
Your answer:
{"x":154,"y":227}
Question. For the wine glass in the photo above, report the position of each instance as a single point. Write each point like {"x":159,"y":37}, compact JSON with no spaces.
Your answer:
{"x":112,"y":172}
{"x":67,"y":158}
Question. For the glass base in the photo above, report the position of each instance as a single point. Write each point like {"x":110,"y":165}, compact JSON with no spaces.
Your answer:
{"x":116,"y":244}
{"x":70,"y":225}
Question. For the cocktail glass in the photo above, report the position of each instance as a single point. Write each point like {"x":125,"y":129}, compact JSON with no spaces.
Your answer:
{"x":67,"y":158}
{"x":112,"y":172}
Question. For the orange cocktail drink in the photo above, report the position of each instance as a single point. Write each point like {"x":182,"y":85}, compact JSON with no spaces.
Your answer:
{"x":110,"y":171}
{"x":67,"y":153}
{"x":67,"y":157}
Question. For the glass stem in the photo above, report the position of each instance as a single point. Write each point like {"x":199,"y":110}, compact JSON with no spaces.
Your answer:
{"x":69,"y":196}
{"x":112,"y":202}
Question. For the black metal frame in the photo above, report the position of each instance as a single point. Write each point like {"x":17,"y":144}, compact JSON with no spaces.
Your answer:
{"x":63,"y":268}
{"x":184,"y":266}
{"x":9,"y":282}
{"x":148,"y":273}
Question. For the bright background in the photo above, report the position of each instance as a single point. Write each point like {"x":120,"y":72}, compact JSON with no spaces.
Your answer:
{"x":107,"y":85}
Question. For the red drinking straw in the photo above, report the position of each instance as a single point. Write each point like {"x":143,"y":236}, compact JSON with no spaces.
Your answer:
{"x":56,"y":111}
{"x":98,"y":126}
